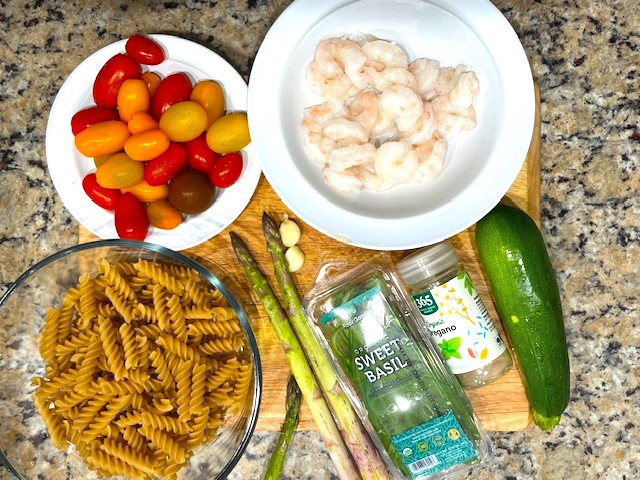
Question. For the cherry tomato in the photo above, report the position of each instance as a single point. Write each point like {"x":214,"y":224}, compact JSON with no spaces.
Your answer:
{"x":146,"y":145}
{"x":120,"y":171}
{"x":163,"y":215}
{"x":144,"y":50}
{"x":183,"y":121}
{"x":226,"y":170}
{"x":102,"y":138}
{"x":147,"y":193}
{"x":191,"y":192}
{"x":133,"y":97}
{"x":199,"y":156}
{"x":100,"y":159}
{"x":141,"y":122}
{"x":152,"y":80}
{"x":103,"y":197}
{"x":209,"y":94}
{"x":173,"y":89}
{"x":166,"y":165}
{"x":90,"y":116}
{"x":118,"y":68}
{"x":131,"y":218}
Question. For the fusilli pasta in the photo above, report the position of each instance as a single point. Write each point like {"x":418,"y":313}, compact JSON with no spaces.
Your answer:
{"x":142,"y":362}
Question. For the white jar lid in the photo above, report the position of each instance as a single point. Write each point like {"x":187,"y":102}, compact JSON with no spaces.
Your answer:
{"x":427,"y":262}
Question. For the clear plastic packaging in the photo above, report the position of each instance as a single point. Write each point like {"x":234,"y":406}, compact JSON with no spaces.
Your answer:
{"x":413,"y":407}
{"x":455,"y":315}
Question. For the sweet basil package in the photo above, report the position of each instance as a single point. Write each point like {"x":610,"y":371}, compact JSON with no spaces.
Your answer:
{"x":412,"y":405}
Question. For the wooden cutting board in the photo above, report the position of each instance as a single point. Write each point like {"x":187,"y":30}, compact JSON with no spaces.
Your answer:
{"x":500,"y":406}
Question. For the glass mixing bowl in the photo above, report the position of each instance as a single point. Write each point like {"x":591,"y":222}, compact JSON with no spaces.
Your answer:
{"x":25,"y":446}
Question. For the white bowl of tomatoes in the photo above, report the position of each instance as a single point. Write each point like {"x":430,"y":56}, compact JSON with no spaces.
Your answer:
{"x":147,"y":139}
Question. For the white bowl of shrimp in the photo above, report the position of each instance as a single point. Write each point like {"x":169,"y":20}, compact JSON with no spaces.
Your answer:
{"x":391,"y":124}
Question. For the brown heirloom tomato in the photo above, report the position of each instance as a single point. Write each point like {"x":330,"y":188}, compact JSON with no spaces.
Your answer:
{"x":191,"y":192}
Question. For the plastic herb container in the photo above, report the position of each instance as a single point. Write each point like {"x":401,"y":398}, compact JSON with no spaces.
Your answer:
{"x":412,"y":405}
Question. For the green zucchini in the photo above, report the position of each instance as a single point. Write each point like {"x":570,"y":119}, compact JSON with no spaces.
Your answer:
{"x":516,"y":262}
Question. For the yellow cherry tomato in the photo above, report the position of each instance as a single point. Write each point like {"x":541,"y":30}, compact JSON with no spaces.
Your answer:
{"x":229,"y":133}
{"x":148,"y":193}
{"x":102,"y":138}
{"x":120,"y":171}
{"x":152,"y":80}
{"x":183,"y":121}
{"x":210,"y":96}
{"x":146,"y":145}
{"x":133,"y":96}
{"x":100,"y":159}
{"x":141,"y":122}
{"x":162,"y":214}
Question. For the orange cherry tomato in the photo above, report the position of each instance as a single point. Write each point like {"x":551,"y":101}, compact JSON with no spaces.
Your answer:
{"x":141,"y":122}
{"x":209,"y":95}
{"x":102,"y":138}
{"x":147,"y":193}
{"x":163,"y":215}
{"x":133,"y":97}
{"x":183,"y":121}
{"x":120,"y":171}
{"x":152,"y":80}
{"x":146,"y":145}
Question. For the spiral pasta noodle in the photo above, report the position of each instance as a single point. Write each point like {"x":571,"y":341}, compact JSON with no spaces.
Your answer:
{"x":142,"y":363}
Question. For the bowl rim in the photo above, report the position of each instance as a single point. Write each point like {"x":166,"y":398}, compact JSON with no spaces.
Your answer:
{"x":209,"y":276}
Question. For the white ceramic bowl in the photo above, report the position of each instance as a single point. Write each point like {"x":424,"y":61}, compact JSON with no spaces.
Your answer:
{"x":480,"y":165}
{"x":68,"y":167}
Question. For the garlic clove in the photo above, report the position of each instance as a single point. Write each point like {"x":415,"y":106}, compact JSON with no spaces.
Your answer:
{"x":294,"y":257}
{"x":289,"y":232}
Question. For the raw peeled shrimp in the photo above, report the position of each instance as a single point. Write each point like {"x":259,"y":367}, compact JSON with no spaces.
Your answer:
{"x":351,"y":156}
{"x":430,"y":157}
{"x":426,"y":72}
{"x":465,"y":90}
{"x":344,"y":132}
{"x":391,"y":76}
{"x":363,"y":108}
{"x":401,"y":105}
{"x":313,"y":121}
{"x":342,"y":180}
{"x":395,"y":162}
{"x":448,"y":78}
{"x":336,"y":71}
{"x":424,"y":128}
{"x":382,"y":54}
{"x":452,"y":120}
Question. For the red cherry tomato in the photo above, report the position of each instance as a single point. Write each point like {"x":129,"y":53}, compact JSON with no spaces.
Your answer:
{"x":90,"y":116}
{"x":106,"y":198}
{"x":173,"y":89}
{"x":131,"y":218}
{"x":199,"y":156}
{"x":226,"y":170}
{"x":165,"y":166}
{"x":144,"y":50}
{"x":118,"y":68}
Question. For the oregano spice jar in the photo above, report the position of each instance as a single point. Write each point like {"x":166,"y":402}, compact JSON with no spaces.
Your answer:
{"x":455,"y":315}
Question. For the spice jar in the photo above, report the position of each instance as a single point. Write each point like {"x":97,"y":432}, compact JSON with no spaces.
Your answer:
{"x":455,"y":315}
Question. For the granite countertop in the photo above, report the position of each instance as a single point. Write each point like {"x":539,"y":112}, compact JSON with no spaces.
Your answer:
{"x":585,"y":59}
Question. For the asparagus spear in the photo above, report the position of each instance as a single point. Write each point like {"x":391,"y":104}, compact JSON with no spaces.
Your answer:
{"x":356,"y":437}
{"x":286,"y":432}
{"x":297,"y":362}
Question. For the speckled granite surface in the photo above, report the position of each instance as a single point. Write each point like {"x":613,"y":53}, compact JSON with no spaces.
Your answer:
{"x":585,"y":56}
